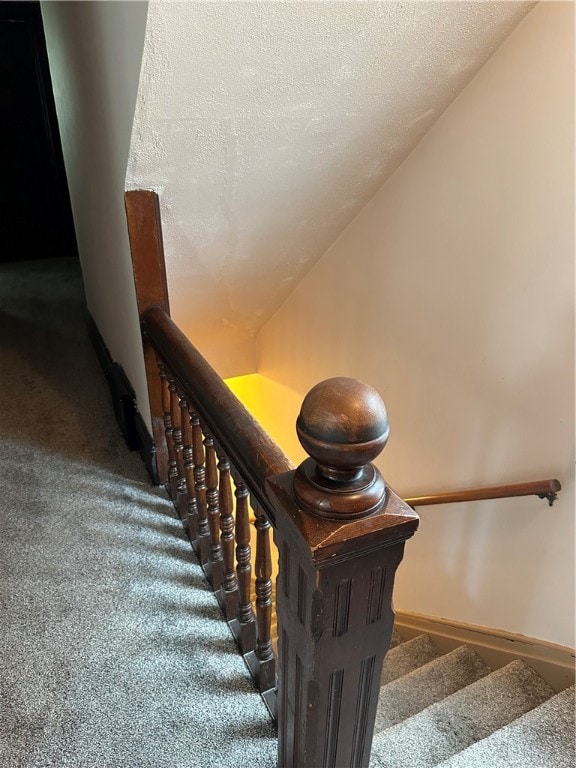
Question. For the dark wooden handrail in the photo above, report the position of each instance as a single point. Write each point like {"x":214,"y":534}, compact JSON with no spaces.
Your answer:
{"x":339,"y":528}
{"x":250,"y":449}
{"x":544,"y":489}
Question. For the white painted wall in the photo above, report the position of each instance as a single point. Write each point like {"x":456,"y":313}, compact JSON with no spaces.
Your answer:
{"x":266,"y":126}
{"x":95,"y":53}
{"x":453,"y":294}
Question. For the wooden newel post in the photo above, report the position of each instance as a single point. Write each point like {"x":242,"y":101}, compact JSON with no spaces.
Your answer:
{"x":340,"y":542}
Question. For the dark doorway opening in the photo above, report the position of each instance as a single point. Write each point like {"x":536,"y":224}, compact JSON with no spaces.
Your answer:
{"x":35,"y":214}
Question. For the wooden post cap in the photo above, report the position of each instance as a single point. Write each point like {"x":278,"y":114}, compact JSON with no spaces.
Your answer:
{"x":342,"y":426}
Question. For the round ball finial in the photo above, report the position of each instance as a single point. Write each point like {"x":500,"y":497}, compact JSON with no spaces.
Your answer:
{"x":343,"y":426}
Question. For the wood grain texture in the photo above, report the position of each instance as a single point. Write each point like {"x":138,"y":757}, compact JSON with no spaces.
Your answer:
{"x":226,"y":503}
{"x":546,"y":489}
{"x":342,"y":426}
{"x":246,"y":631}
{"x":181,"y":499}
{"x":191,"y":517}
{"x":249,"y":448}
{"x":335,"y":618}
{"x":263,"y":570}
{"x":168,"y":442}
{"x":216,"y":565}
{"x":147,"y":247}
{"x":147,"y":251}
{"x":326,"y":539}
{"x":203,"y":541}
{"x":336,"y":572}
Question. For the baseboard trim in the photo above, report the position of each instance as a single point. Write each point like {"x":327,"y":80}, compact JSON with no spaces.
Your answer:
{"x":128,"y":417}
{"x":102,"y":352}
{"x":555,"y":663}
{"x":146,"y":447}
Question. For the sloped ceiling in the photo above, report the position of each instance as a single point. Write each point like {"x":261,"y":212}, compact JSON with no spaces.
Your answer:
{"x":266,"y":126}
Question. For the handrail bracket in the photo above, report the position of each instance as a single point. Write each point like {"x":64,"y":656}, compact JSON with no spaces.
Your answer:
{"x":551,"y":496}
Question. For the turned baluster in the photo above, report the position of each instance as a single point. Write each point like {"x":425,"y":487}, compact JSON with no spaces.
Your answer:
{"x":188,"y":456}
{"x":181,"y":499}
{"x":215,"y":569}
{"x":265,"y":675}
{"x":203,"y":540}
{"x":166,"y":403}
{"x":230,"y":583}
{"x":245,"y":628}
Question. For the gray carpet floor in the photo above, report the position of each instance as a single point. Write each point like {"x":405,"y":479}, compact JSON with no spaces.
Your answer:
{"x":113,"y":652}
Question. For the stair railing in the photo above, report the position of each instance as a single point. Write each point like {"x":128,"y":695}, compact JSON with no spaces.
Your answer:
{"x":544,"y":489}
{"x":338,"y":527}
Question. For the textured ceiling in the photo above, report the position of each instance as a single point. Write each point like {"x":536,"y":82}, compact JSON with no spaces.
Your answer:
{"x":266,"y":126}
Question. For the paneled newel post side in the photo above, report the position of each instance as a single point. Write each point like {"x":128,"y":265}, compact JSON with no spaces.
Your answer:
{"x":340,"y":542}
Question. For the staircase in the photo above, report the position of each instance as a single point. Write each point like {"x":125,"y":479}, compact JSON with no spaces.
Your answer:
{"x":452,"y":710}
{"x":113,"y":650}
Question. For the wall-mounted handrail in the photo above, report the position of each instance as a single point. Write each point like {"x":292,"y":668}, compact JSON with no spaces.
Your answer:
{"x":544,"y":489}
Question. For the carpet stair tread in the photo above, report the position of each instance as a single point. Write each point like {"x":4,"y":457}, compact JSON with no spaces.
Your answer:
{"x":461,"y":719}
{"x":428,"y":684}
{"x":408,"y":656}
{"x":542,"y":738}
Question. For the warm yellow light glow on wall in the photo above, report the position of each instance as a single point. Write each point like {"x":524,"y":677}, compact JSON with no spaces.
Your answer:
{"x":274,"y":406}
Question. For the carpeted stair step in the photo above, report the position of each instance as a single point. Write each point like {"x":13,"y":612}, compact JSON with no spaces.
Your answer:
{"x":542,"y":738}
{"x":397,"y":638}
{"x":463,"y":718}
{"x":426,"y":685}
{"x":408,"y":656}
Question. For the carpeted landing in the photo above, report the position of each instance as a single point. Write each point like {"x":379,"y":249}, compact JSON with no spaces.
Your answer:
{"x":113,"y":650}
